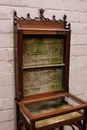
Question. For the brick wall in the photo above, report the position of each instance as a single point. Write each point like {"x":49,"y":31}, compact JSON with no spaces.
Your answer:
{"x":76,"y":10}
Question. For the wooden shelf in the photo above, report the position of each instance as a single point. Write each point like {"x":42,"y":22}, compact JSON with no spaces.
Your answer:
{"x":43,"y":66}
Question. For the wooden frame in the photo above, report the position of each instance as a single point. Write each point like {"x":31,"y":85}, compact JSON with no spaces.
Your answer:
{"x":44,"y":28}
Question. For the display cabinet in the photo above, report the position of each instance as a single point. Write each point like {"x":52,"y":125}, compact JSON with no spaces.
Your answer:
{"x":43,"y":101}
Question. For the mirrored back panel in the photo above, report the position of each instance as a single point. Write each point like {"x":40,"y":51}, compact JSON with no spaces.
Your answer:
{"x":43,"y":63}
{"x":43,"y":50}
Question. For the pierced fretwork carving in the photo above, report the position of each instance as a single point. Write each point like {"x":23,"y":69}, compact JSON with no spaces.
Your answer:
{"x":20,"y":124}
{"x":76,"y":126}
{"x":41,"y":17}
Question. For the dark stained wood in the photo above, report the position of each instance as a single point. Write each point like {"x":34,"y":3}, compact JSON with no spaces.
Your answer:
{"x":45,"y":31}
{"x":44,"y":96}
{"x":44,"y":26}
{"x":26,"y":25}
{"x":20,"y":58}
{"x":41,"y":21}
{"x":77,"y":98}
{"x":25,"y":110}
{"x":67,"y":51}
{"x":57,"y":113}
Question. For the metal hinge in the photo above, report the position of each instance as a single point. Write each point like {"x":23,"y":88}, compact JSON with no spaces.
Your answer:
{"x":19,"y":93}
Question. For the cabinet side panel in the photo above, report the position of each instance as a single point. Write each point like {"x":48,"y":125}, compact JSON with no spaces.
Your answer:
{"x":16,"y":60}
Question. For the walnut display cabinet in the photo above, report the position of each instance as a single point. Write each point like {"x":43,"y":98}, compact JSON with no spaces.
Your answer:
{"x":43,"y":101}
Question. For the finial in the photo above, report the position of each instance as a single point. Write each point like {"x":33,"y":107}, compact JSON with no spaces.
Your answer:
{"x":15,"y":13}
{"x":15,"y":17}
{"x":54,"y":17}
{"x":28,"y":16}
{"x":64,"y":17}
{"x":41,"y":11}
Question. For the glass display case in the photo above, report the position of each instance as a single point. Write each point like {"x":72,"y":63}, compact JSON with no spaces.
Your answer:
{"x":42,"y":48}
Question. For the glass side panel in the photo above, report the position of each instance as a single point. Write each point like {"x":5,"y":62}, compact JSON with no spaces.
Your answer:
{"x":42,"y":80}
{"x":51,"y":105}
{"x":42,"y":50}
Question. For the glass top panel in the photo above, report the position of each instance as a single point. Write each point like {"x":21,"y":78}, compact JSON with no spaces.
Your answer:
{"x":43,"y":50}
{"x":51,"y":105}
{"x":42,"y":80}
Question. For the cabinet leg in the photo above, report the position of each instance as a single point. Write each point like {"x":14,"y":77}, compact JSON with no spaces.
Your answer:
{"x":20,"y":125}
{"x":61,"y":128}
{"x":85,"y":125}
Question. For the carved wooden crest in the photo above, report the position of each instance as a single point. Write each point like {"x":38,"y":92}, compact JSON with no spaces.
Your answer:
{"x":41,"y":17}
